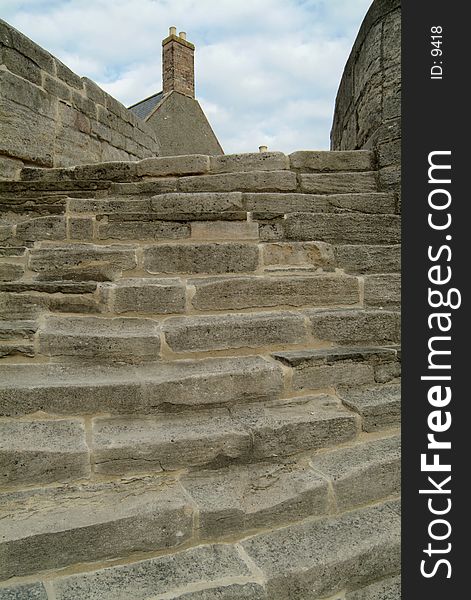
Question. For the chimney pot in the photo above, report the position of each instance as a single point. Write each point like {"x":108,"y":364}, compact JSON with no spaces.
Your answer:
{"x":172,"y":31}
{"x":263,"y":148}
{"x":182,"y":34}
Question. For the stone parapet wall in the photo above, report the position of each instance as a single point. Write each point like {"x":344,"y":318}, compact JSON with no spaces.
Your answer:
{"x":51,"y":117}
{"x":368,"y":106}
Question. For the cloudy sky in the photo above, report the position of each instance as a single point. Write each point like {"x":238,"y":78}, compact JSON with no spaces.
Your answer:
{"x":267,"y":71}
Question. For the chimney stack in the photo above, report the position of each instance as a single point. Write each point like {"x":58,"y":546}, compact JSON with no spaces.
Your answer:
{"x":178,"y":64}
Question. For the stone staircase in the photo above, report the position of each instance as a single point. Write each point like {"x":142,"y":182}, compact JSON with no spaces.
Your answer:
{"x":199,"y":384}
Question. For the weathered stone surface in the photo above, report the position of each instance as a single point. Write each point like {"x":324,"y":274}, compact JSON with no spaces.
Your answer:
{"x":356,"y":326}
{"x":239,"y":499}
{"x":158,"y":186}
{"x":254,"y":181}
{"x":10,"y":271}
{"x":388,"y":589}
{"x":307,"y":160}
{"x":267,"y":205}
{"x":42,"y":451}
{"x":123,"y":446}
{"x":50,"y":287}
{"x":323,"y":557}
{"x":202,"y":567}
{"x":140,"y":229}
{"x":124,"y":339}
{"x":173,"y":165}
{"x":200,"y":206}
{"x":343,"y":228}
{"x":224,"y":230}
{"x":338,"y":183}
{"x":12,"y":251}
{"x":24,"y":591}
{"x":283,"y":428}
{"x":10,"y":168}
{"x":383,"y":290}
{"x":109,"y":205}
{"x":147,"y":296}
{"x":303,"y":254}
{"x":369,"y":259}
{"x":110,"y":171}
{"x":51,"y":528}
{"x":253,"y":292}
{"x":255,"y":161}
{"x":194,"y":334}
{"x":201,"y":257}
{"x":60,"y":389}
{"x":84,"y":261}
{"x":42,"y":228}
{"x":363,"y":473}
{"x":331,"y":367}
{"x":379,"y":406}
{"x":224,"y":591}
{"x":80,"y":228}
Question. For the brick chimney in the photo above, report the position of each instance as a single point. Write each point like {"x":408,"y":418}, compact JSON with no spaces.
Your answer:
{"x":178,"y":64}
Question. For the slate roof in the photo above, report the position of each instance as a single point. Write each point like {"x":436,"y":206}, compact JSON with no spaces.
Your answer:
{"x":143,"y":108}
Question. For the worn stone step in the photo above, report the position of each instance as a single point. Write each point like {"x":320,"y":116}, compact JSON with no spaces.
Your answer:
{"x":325,"y":160}
{"x":145,"y":389}
{"x":386,"y":589}
{"x":30,"y":305}
{"x":201,"y":257}
{"x":119,"y":339}
{"x":250,"y":181}
{"x":320,"y":368}
{"x":269,"y":205}
{"x":367,"y":259}
{"x":82,"y":261}
{"x":362,"y":473}
{"x":320,"y":557}
{"x":378,"y":406}
{"x":232,"y":331}
{"x":271,"y":291}
{"x":356,"y":326}
{"x":343,"y":228}
{"x":152,"y":296}
{"x":42,"y":451}
{"x":218,"y":437}
{"x":338,"y":183}
{"x":50,"y":528}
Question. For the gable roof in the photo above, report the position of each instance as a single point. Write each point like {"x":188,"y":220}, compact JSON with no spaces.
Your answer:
{"x":143,"y":108}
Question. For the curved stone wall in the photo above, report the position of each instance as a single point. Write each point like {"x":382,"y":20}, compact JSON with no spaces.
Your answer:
{"x":51,"y":117}
{"x":368,"y":106}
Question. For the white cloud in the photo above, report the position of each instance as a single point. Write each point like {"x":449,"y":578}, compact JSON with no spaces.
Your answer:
{"x":267,"y":71}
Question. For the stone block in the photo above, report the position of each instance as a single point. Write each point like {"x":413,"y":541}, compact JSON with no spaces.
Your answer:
{"x":321,"y":558}
{"x":21,"y":65}
{"x":287,"y":427}
{"x":41,"y":452}
{"x":84,"y":261}
{"x":110,"y":171}
{"x":14,"y":39}
{"x":356,"y":326}
{"x":123,"y":339}
{"x":389,"y":153}
{"x":201,"y":257}
{"x":157,"y":186}
{"x":200,"y":206}
{"x":344,"y":228}
{"x":237,"y":500}
{"x":338,"y":183}
{"x":366,"y":259}
{"x":69,"y":77}
{"x":347,"y":161}
{"x":56,"y":527}
{"x":224,"y":230}
{"x":94,"y":92}
{"x":10,"y":168}
{"x":10,"y":271}
{"x":41,"y":228}
{"x":148,"y":296}
{"x":80,"y":228}
{"x":368,"y":61}
{"x":115,"y":227}
{"x":196,"y":334}
{"x":253,"y":181}
{"x":28,"y":95}
{"x":207,"y":566}
{"x":125,"y":446}
{"x":270,"y":291}
{"x":163,"y":166}
{"x":383,"y":290}
{"x":302,"y":254}
{"x":314,"y":369}
{"x":379,"y":406}
{"x":364,"y":473}
{"x":369,"y":110}
{"x":256,"y":161}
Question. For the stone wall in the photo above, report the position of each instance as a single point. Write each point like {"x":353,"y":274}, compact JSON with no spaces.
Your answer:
{"x":51,"y":117}
{"x":368,"y":105}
